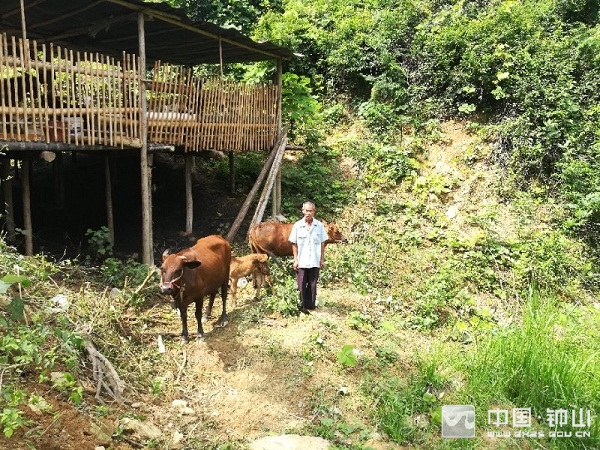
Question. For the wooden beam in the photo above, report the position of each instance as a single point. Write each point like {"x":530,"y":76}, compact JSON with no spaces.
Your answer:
{"x":189,"y":197}
{"x":147,"y":247}
{"x":276,"y":201}
{"x":231,"y":171}
{"x":110,"y":221}
{"x":264,"y":197}
{"x":175,"y":20}
{"x":59,"y":180}
{"x":261,"y":176}
{"x":26,"y":195}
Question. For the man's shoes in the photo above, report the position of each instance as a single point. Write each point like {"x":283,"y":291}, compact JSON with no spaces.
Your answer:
{"x":304,"y":310}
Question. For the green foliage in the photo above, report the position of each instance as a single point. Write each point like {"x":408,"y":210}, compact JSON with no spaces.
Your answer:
{"x":547,"y":361}
{"x":240,"y":14}
{"x":8,"y":280}
{"x":100,"y":245}
{"x":304,"y":180}
{"x":346,"y":356}
{"x":402,"y":406}
{"x":125,"y":273}
{"x":68,"y":385}
{"x":285,"y":298}
{"x":301,"y":110}
{"x":11,"y":418}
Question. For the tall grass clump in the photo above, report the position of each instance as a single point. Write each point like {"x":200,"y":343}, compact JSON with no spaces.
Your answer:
{"x":549,"y":361}
{"x":404,"y":406}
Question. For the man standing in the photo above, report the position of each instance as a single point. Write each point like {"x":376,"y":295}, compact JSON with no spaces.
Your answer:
{"x":308,"y":238}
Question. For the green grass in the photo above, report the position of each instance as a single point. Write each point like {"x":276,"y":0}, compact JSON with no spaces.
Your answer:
{"x":549,"y":361}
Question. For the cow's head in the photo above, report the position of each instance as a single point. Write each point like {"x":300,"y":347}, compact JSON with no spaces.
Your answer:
{"x":334,"y":235}
{"x":171,"y":271}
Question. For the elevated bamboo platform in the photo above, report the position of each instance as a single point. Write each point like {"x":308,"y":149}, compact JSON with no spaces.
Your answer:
{"x":72,"y":100}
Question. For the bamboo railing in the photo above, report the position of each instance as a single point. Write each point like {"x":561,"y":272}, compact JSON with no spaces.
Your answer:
{"x":205,"y":114}
{"x":52,"y":94}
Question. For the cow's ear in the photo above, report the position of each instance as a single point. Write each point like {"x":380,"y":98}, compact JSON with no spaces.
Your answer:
{"x":192,"y":264}
{"x":166,"y":253}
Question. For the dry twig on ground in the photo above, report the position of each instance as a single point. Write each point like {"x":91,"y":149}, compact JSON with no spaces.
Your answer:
{"x":105,"y":374}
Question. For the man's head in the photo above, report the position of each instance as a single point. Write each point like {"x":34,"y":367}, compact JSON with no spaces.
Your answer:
{"x":308,"y":209}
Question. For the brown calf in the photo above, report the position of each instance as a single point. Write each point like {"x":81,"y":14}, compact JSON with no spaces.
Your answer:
{"x":195,"y":272}
{"x":255,"y":265}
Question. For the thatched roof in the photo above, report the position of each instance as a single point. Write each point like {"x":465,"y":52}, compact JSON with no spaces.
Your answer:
{"x":110,"y":27}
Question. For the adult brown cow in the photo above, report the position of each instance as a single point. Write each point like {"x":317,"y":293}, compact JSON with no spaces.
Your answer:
{"x":195,"y":272}
{"x":272,"y":238}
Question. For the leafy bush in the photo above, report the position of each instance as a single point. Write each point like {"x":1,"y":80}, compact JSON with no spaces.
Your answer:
{"x":100,"y":245}
{"x":303,"y":180}
{"x":404,"y":407}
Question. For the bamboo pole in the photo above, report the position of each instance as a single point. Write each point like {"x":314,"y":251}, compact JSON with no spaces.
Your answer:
{"x":16,"y":120}
{"x":276,"y":202}
{"x":70,"y":97}
{"x":147,"y":255}
{"x":120,"y":102}
{"x":59,"y":180}
{"x":26,"y":198}
{"x":189,"y":197}
{"x":53,"y":95}
{"x":264,"y":198}
{"x":23,"y":22}
{"x":261,"y":176}
{"x":3,"y":94}
{"x":109,"y":201}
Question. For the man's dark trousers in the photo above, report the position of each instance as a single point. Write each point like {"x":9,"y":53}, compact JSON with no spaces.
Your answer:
{"x":307,"y":285}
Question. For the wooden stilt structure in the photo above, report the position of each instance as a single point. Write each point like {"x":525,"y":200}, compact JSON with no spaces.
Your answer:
{"x":146,"y":174}
{"x":189,"y":197}
{"x":26,"y":193}
{"x":8,"y":207}
{"x":110,"y":221}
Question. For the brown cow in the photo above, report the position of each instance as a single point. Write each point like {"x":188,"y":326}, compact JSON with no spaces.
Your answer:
{"x":272,"y":238}
{"x":195,"y":272}
{"x":255,"y":265}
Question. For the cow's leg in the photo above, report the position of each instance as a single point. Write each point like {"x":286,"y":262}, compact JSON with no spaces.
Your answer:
{"x":199,"y":305}
{"x":211,"y":302}
{"x":184,"y":328}
{"x":223,"y":320}
{"x":233,"y":288}
{"x":259,"y":280}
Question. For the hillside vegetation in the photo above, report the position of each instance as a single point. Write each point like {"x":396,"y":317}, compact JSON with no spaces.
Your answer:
{"x":457,"y":146}
{"x":447,"y":294}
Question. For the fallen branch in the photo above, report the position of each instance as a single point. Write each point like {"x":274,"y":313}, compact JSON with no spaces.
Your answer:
{"x":151,"y":272}
{"x":105,"y":374}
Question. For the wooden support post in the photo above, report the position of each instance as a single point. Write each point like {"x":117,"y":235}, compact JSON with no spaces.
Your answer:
{"x":189,"y":197}
{"x":146,"y":177}
{"x":59,"y":180}
{"x":276,"y":201}
{"x":109,"y":202}
{"x":261,"y":176}
{"x":232,"y":170}
{"x":26,"y":193}
{"x":7,"y":192}
{"x":277,"y":194}
{"x":262,"y":201}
